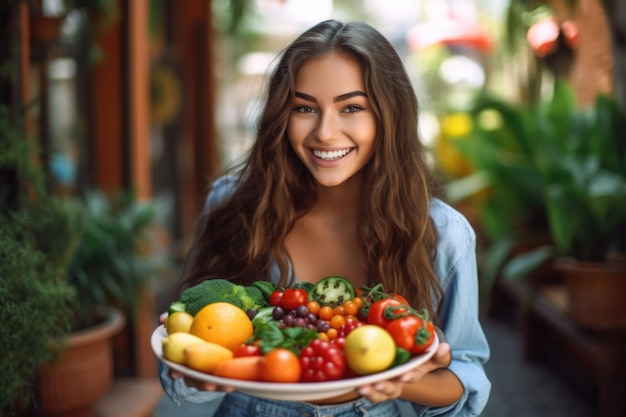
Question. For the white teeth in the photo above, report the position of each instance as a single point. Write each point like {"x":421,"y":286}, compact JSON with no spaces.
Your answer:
{"x":329,"y":156}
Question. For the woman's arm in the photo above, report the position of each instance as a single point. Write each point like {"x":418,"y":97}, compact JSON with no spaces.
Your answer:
{"x":430,"y":384}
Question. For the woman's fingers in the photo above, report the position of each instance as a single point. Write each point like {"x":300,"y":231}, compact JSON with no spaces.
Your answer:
{"x":385,"y":390}
{"x":200,"y":385}
{"x":442,"y":356}
{"x":381,"y":391}
{"x":163,"y":318}
{"x":175,"y":374}
{"x":440,"y":359}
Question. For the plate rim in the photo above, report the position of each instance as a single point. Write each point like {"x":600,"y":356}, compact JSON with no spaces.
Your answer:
{"x":282,"y":390}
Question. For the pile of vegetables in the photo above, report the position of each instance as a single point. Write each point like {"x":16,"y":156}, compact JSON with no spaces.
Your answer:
{"x":304,"y":333}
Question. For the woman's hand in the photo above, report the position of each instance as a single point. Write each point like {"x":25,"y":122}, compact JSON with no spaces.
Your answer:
{"x":200,"y":385}
{"x":392,"y":388}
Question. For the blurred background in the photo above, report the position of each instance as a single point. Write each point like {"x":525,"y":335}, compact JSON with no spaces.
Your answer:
{"x":115,"y":114}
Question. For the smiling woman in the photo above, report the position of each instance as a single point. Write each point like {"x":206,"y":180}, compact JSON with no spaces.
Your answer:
{"x":337,"y":184}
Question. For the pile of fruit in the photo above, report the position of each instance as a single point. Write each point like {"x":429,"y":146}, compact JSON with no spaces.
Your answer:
{"x":305,"y":333}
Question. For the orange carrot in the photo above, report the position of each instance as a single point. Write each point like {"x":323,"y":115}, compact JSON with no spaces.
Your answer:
{"x":245,"y":367}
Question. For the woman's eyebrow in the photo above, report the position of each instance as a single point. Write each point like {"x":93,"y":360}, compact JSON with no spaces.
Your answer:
{"x":306,"y":97}
{"x":337,"y":99}
{"x":349,"y":95}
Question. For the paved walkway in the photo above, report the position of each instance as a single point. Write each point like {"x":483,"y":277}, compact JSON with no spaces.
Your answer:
{"x":520,"y":389}
{"x":523,"y":389}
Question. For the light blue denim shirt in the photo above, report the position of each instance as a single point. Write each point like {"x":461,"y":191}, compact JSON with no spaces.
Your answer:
{"x":455,"y":265}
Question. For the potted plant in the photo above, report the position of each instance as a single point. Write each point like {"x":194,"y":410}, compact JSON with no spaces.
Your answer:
{"x":38,"y":235}
{"x":503,"y":184}
{"x":85,"y":261}
{"x":575,"y":159}
{"x":109,"y":271}
{"x":35,"y":302}
{"x":585,"y":194}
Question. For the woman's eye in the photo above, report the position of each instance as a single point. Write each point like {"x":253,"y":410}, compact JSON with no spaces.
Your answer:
{"x":352,"y":109}
{"x":303,"y":109}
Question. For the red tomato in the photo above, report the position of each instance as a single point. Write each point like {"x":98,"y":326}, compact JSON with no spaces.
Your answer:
{"x":412,"y":333}
{"x":281,"y":365}
{"x":401,"y":299}
{"x":275,"y":298}
{"x":293,"y":298}
{"x":380,"y":315}
{"x":245,"y":349}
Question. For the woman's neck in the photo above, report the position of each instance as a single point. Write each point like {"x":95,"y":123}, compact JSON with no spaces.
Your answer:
{"x":342,"y":201}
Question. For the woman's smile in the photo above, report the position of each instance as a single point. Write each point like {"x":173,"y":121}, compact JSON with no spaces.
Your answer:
{"x":331,"y":155}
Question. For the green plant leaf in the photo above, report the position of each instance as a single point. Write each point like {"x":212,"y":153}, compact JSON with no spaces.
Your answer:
{"x":520,"y":266}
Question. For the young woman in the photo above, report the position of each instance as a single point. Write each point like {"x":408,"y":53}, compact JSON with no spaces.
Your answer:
{"x":337,"y":184}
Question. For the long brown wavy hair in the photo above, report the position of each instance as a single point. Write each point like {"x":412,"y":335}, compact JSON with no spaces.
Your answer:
{"x":245,"y":235}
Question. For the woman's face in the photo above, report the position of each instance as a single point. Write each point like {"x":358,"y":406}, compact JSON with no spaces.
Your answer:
{"x":332,"y":127}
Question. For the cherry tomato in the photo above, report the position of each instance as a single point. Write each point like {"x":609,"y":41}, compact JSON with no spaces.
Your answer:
{"x":350,"y":308}
{"x":337,"y":321}
{"x":380,"y":314}
{"x":339,"y":311}
{"x":281,"y":365}
{"x":314,"y":307}
{"x":339,"y":341}
{"x":412,"y":333}
{"x":332,"y":333}
{"x":326,"y":313}
{"x":275,"y":298}
{"x":322,"y":361}
{"x":293,"y":298}
{"x":358,"y":301}
{"x":245,"y":349}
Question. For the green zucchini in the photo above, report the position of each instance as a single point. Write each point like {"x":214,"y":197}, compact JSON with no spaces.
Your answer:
{"x":332,"y":291}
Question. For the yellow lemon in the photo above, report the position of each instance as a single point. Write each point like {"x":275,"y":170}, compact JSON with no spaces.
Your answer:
{"x":175,"y":344}
{"x":369,"y":349}
{"x":205,"y":357}
{"x":178,"y":321}
{"x":222,"y":323}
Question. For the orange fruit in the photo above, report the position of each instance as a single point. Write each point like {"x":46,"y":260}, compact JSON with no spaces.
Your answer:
{"x":222,"y":323}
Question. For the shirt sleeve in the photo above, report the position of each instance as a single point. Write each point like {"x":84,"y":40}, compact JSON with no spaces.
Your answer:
{"x":178,"y":391}
{"x":457,"y":269}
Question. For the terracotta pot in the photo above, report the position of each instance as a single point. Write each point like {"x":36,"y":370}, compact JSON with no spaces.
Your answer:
{"x":597,"y":293}
{"x":72,"y":385}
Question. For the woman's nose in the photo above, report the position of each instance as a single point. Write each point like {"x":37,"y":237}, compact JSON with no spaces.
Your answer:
{"x":326,"y":127}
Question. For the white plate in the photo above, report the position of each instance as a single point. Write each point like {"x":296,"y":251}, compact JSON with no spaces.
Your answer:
{"x":301,"y":391}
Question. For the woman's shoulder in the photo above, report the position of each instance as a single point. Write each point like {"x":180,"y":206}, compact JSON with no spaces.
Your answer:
{"x":221,"y":189}
{"x":456,"y":238}
{"x":449,"y":222}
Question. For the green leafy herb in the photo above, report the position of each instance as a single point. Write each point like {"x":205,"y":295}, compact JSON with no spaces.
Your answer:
{"x":271,"y":336}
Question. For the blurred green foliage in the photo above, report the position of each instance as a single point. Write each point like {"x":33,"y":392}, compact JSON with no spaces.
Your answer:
{"x":548,"y":167}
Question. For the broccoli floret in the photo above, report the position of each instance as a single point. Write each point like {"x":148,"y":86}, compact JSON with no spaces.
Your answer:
{"x":219,"y":290}
{"x":255,"y":296}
